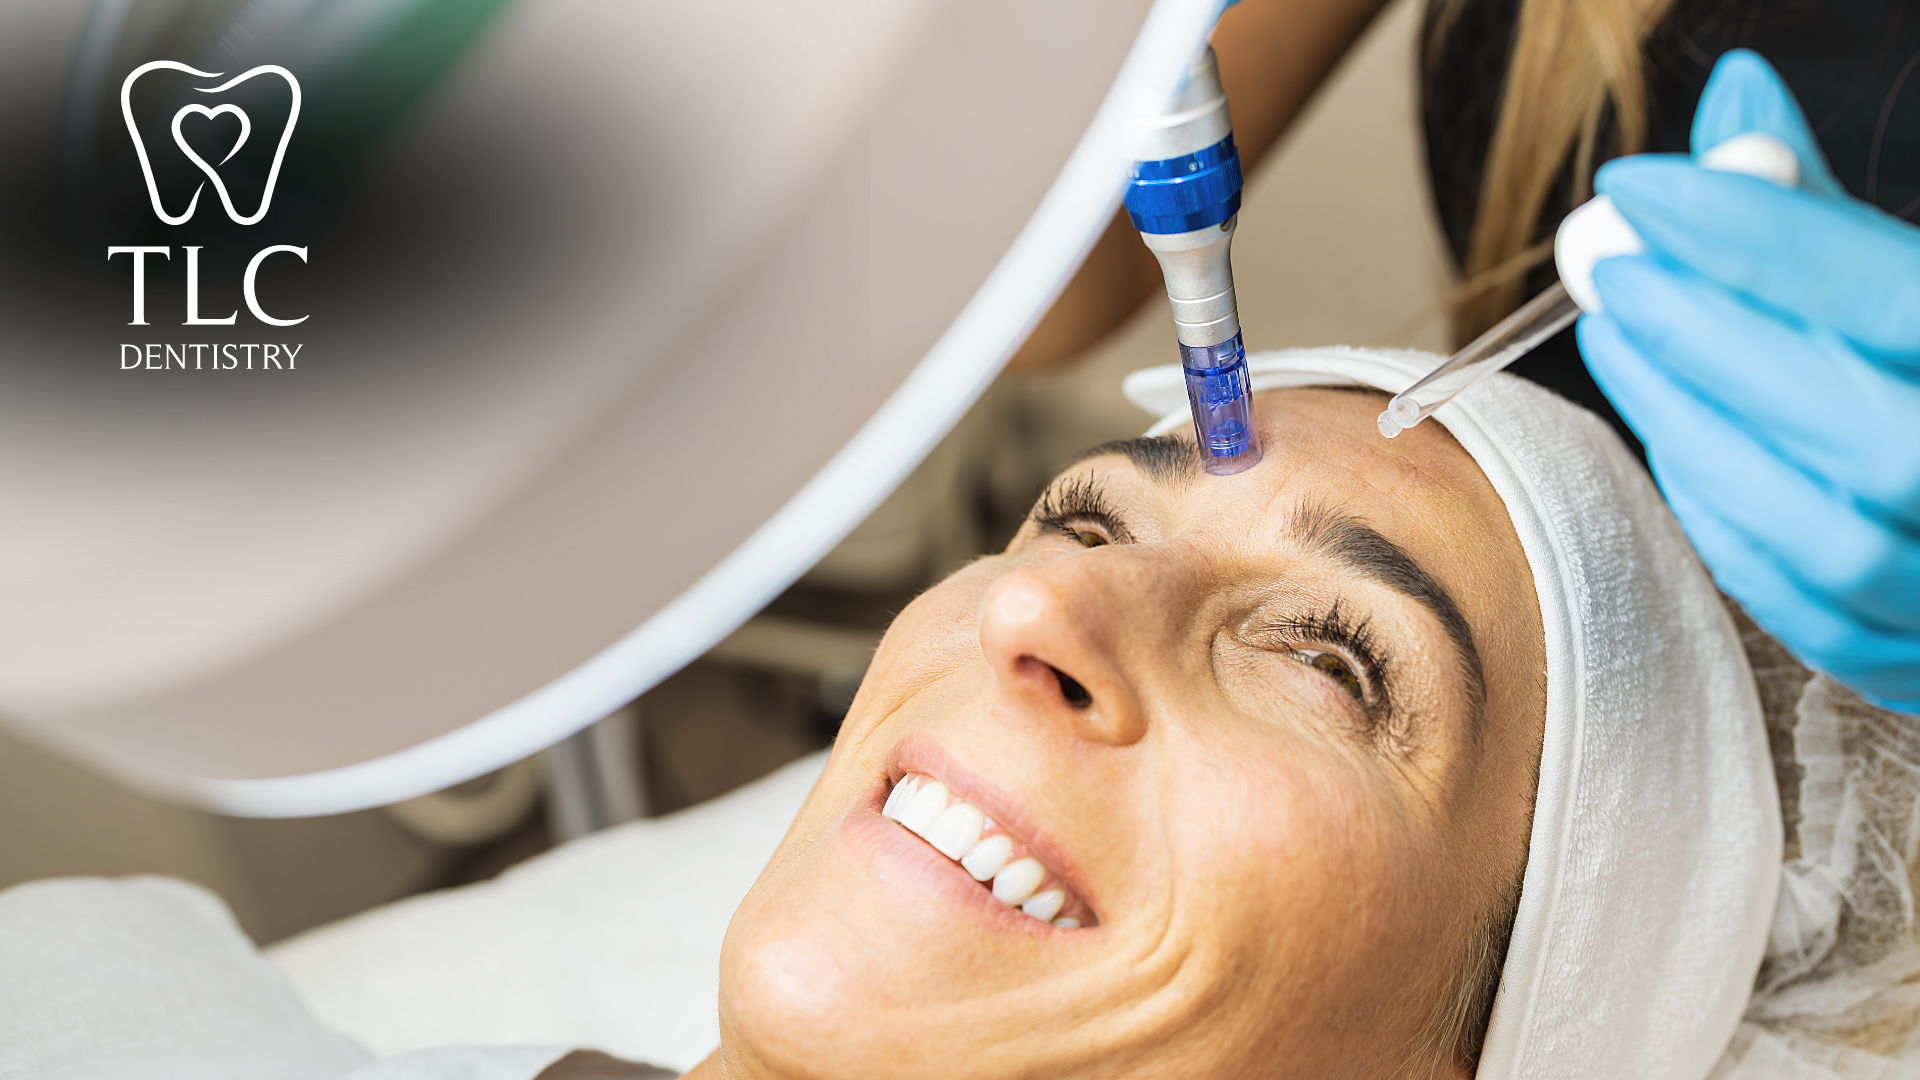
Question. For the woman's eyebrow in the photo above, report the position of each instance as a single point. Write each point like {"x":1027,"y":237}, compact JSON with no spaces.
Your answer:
{"x":1163,"y":459}
{"x":1357,"y":546}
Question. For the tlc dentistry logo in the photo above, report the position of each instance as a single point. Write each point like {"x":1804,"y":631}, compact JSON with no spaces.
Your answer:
{"x":206,"y":355}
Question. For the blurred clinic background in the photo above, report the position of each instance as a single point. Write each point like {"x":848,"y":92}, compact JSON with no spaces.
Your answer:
{"x":1338,"y":246}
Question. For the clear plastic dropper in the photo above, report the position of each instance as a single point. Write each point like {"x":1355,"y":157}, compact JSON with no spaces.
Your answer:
{"x":1511,"y":338}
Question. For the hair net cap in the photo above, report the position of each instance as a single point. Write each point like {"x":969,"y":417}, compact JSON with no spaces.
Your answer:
{"x":1656,"y":847}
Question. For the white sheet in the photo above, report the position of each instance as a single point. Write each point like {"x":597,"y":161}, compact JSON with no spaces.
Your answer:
{"x":611,"y":942}
{"x":147,"y":979}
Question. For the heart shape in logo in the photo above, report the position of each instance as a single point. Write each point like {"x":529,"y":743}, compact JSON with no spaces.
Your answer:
{"x":180,"y":140}
{"x":211,"y":171}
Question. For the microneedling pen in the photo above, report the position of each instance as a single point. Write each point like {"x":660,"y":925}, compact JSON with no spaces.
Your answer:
{"x":1185,"y":200}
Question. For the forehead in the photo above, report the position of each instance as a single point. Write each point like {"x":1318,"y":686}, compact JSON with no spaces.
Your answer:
{"x":1322,"y":445}
{"x":1328,"y":439}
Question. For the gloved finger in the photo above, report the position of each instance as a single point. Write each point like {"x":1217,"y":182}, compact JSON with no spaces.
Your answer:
{"x":1803,"y":394}
{"x":1841,"y":263}
{"x":1855,"y":564}
{"x":1852,"y":563}
{"x":1745,"y":94}
{"x":1883,"y":666}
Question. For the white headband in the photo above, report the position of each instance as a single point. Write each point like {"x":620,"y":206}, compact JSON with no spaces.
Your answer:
{"x":1655,"y":856}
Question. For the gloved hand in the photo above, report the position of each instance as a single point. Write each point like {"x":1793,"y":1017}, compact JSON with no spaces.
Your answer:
{"x":1766,"y":350}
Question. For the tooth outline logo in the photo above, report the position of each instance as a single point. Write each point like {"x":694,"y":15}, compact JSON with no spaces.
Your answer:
{"x":246,"y":129}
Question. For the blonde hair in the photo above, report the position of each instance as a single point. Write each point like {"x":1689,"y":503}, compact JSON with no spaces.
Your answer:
{"x":1574,"y":62}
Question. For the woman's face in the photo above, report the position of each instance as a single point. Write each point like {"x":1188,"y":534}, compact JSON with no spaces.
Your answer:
{"x":1271,"y":736}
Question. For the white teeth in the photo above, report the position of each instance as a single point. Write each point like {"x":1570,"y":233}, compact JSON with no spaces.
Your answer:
{"x":987,"y":857}
{"x":919,"y":803}
{"x":1015,"y":883}
{"x":920,"y":812}
{"x":902,"y":792}
{"x":1044,"y":906}
{"x":956,"y":830}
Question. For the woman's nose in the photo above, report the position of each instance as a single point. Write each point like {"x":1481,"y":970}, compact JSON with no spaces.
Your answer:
{"x":1063,"y":640}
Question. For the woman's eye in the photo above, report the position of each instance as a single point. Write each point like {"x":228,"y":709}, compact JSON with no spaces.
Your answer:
{"x":1085,"y":537}
{"x":1336,"y":668}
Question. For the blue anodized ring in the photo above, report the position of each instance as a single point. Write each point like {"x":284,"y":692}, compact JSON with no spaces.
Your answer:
{"x":1181,"y":194}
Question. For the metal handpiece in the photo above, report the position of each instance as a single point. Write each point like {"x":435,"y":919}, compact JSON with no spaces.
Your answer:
{"x":1185,"y":200}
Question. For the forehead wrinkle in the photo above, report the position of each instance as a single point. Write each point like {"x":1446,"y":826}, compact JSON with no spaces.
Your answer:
{"x":1299,"y":459}
{"x":1340,"y":444}
{"x":1406,"y":471}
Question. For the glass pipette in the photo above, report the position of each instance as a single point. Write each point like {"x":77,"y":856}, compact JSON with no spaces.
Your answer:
{"x":1510,"y":339}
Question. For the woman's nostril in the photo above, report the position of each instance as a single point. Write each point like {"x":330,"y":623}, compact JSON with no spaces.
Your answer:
{"x":1076,"y":694}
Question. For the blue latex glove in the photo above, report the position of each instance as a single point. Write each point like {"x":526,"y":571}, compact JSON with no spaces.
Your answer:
{"x":1767,"y":352}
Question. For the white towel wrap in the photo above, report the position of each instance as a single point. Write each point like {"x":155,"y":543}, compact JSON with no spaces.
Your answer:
{"x":1656,"y":848}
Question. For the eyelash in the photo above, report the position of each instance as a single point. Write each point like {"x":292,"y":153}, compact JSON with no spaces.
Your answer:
{"x":1080,"y":501}
{"x":1334,"y":627}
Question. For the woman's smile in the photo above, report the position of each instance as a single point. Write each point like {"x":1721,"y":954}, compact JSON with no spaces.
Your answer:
{"x":955,"y":816}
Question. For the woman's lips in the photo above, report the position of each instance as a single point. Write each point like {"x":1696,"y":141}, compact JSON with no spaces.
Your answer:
{"x":959,"y":830}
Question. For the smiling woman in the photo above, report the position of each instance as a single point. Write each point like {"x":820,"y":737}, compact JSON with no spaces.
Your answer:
{"x":1238,"y":776}
{"x":1437,"y":757}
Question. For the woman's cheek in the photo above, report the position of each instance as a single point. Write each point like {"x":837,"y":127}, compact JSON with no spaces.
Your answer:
{"x":936,"y":637}
{"x":1344,"y":832}
{"x":1289,"y":773}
